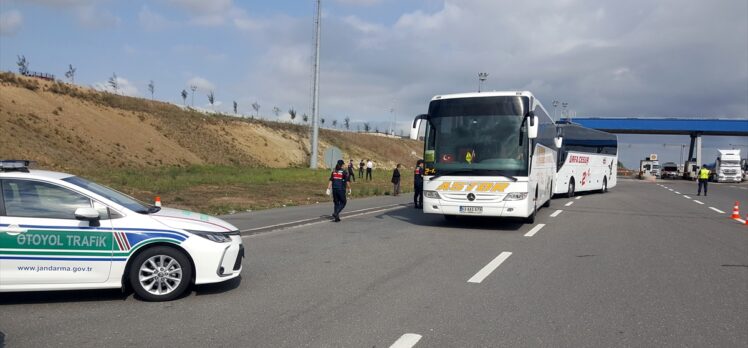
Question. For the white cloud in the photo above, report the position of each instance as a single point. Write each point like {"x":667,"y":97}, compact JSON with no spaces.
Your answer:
{"x":124,"y":87}
{"x":86,"y":12}
{"x":359,"y":2}
{"x":202,"y":84}
{"x":152,"y":21}
{"x":10,"y":22}
{"x":363,"y":26}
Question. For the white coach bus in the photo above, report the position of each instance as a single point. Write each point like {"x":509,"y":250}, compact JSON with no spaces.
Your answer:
{"x":587,"y":161}
{"x":488,"y":154}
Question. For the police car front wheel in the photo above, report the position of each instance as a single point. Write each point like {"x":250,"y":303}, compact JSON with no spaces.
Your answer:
{"x":160,"y":274}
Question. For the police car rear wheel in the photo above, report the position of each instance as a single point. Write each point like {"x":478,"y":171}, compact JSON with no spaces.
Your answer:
{"x":160,"y":274}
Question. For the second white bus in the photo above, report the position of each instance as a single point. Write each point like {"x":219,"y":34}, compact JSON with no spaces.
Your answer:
{"x":587,"y":160}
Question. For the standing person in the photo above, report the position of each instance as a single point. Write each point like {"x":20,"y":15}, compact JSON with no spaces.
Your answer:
{"x":396,"y":181}
{"x":350,"y":171}
{"x":361,"y":168}
{"x":337,"y":186}
{"x":418,"y":185}
{"x":703,"y":180}
{"x":369,"y":167}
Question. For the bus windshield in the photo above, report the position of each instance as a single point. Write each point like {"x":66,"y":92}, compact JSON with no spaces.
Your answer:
{"x":477,"y":136}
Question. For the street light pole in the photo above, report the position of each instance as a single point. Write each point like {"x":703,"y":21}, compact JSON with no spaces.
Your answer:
{"x":564,"y":105}
{"x":315,"y":90}
{"x":481,"y":78}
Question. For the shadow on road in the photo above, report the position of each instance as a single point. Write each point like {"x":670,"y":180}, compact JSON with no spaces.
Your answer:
{"x":62,"y":296}
{"x":35,"y":297}
{"x":417,"y":217}
{"x":217,"y":288}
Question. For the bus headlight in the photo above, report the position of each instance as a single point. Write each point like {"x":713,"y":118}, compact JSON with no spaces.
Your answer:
{"x":431,"y":194}
{"x":515,"y":196}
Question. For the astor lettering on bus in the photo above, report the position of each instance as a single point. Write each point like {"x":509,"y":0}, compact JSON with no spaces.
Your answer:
{"x":579,"y":159}
{"x":461,"y":186}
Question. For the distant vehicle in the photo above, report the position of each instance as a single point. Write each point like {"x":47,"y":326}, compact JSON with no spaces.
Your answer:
{"x":587,"y":160}
{"x":727,"y":167}
{"x":744,"y":166}
{"x":650,"y":166}
{"x":669,"y":171}
{"x":63,"y":232}
{"x":690,"y":171}
{"x":488,"y":154}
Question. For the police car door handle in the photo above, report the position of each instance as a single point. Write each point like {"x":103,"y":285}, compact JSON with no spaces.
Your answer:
{"x":15,"y":229}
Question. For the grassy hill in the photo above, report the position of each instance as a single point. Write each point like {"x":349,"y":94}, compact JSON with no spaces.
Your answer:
{"x":149,"y":148}
{"x":69,"y":127}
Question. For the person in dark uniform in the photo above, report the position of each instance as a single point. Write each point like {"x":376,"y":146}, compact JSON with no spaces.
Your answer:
{"x":351,"y":171}
{"x":396,"y":181}
{"x":361,"y":169}
{"x":337,"y":186}
{"x":418,"y":185}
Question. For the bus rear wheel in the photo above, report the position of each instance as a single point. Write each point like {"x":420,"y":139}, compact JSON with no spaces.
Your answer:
{"x":570,"y":192}
{"x":605,"y":185}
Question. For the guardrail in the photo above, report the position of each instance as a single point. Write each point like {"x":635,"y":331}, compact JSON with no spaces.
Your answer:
{"x":40,"y":75}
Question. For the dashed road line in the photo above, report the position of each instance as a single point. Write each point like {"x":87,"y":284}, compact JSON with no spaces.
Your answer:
{"x":490,"y":267}
{"x":407,"y":340}
{"x":671,"y":190}
{"x":555,"y":213}
{"x":568,"y":204}
{"x":700,"y":202}
{"x":717,"y":210}
{"x":578,"y":197}
{"x":534,"y":230}
{"x":740,"y":221}
{"x":676,"y":192}
{"x":684,"y":196}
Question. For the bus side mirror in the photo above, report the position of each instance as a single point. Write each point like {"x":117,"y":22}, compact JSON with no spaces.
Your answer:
{"x":416,"y":128}
{"x":559,"y":141}
{"x":532,"y":127}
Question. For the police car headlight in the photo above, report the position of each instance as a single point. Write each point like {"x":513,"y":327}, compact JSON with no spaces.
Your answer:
{"x":515,"y":196}
{"x":217,"y":237}
{"x":431,"y":194}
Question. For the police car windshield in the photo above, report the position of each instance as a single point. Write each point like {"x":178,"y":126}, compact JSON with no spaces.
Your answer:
{"x":110,"y":194}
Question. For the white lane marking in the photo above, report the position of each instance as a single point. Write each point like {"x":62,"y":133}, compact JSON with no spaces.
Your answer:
{"x":406,"y":341}
{"x":534,"y":230}
{"x":490,"y":267}
{"x":700,"y":202}
{"x":676,"y":192}
{"x":568,"y":204}
{"x":555,"y":213}
{"x":315,"y":222}
{"x":684,"y":196}
{"x":578,"y":197}
{"x":740,"y":221}
{"x":671,"y":189}
{"x":717,"y":210}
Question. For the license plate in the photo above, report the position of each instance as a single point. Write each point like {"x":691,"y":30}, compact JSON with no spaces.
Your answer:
{"x":471,"y":210}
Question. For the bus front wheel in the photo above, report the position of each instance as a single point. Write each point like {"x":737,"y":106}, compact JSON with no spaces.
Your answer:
{"x":570,"y":192}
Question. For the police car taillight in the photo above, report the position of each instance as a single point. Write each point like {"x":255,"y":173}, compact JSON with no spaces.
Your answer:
{"x":14,"y":165}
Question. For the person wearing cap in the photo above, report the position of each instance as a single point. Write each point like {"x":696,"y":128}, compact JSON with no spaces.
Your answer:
{"x":418,"y":185}
{"x":337,"y":186}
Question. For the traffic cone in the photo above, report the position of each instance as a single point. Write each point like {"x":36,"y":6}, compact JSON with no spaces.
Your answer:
{"x":736,"y":211}
{"x":158,"y":201}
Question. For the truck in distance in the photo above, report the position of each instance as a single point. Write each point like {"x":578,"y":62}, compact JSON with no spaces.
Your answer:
{"x":727,"y":167}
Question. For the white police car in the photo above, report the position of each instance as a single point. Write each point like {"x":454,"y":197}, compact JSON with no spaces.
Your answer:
{"x":60,"y":232}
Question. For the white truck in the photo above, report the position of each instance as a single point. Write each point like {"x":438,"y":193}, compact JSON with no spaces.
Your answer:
{"x":727,"y":167}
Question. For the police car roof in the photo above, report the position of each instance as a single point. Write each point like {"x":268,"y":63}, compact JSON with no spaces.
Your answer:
{"x":39,"y":174}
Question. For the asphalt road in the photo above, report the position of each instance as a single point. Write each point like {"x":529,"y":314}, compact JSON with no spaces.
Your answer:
{"x":637,"y":266}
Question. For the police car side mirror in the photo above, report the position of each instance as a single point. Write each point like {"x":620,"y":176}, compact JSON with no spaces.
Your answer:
{"x":88,"y":214}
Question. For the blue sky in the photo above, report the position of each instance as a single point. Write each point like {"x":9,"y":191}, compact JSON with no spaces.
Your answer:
{"x":668,"y":58}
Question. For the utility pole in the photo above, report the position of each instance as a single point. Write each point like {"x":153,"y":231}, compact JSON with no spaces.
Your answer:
{"x":315,"y":89}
